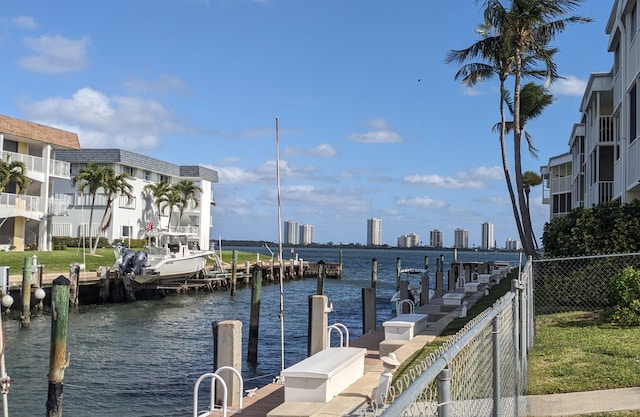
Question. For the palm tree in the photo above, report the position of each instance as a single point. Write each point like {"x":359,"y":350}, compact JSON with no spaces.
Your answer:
{"x":14,"y":172}
{"x":171,"y":200}
{"x":188,"y":191}
{"x":90,"y":178}
{"x":513,"y":42}
{"x":158,"y":192}
{"x":113,"y":186}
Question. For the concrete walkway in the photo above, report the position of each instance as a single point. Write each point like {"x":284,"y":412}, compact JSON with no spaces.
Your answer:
{"x":575,"y":403}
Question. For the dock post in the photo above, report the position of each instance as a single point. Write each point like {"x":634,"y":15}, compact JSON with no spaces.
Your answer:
{"x":425,"y":283}
{"x":25,"y":317}
{"x":40,"y":271}
{"x":227,"y":342}
{"x":398,"y":274}
{"x":234,"y":273}
{"x":254,"y":319}
{"x":58,"y":361}
{"x":74,"y":277}
{"x":318,"y":323}
{"x":105,"y":283}
{"x":439,"y":277}
{"x":374,"y":273}
{"x":321,"y":277}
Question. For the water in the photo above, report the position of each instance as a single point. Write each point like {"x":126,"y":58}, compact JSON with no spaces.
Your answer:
{"x":142,"y":359}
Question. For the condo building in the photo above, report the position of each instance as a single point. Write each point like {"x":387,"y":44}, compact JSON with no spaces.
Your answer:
{"x":132,"y":218}
{"x":27,"y":215}
{"x":374,"y":232}
{"x":291,"y":232}
{"x":487,"y":242}
{"x":306,"y":234}
{"x":603,"y":160}
{"x":435,"y":238}
{"x":409,"y":241}
{"x":460,"y":238}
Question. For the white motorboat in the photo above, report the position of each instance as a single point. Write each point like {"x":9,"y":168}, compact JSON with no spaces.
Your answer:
{"x":168,"y":256}
{"x":415,"y":289}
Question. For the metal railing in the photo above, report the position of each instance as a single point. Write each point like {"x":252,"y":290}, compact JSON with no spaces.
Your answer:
{"x":481,"y":371}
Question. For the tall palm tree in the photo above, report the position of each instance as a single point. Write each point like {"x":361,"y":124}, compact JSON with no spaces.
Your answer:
{"x":531,"y":26}
{"x":113,"y":186}
{"x":90,"y":179}
{"x":158,"y":192}
{"x":188,"y":191}
{"x":499,"y":54}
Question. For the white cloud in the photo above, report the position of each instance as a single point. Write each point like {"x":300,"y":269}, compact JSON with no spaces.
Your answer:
{"x":25,"y":22}
{"x":381,"y":133}
{"x":162,"y":85}
{"x":100,"y":121}
{"x":287,"y":170}
{"x":483,"y":173}
{"x":235,"y":175}
{"x":55,"y":54}
{"x":438,"y":181}
{"x":421,"y":202}
{"x":323,"y":151}
{"x":569,"y":86}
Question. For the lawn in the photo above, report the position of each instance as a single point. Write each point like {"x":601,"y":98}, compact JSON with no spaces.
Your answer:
{"x":59,"y":260}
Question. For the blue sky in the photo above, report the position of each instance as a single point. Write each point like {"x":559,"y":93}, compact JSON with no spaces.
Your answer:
{"x":371,"y":121}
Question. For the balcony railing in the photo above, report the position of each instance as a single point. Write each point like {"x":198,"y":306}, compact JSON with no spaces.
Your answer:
{"x":21,"y":205}
{"x":34,"y":164}
{"x":605,"y":191}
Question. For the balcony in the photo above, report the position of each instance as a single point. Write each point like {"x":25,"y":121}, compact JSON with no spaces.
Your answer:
{"x":36,"y":166}
{"x":14,"y":205}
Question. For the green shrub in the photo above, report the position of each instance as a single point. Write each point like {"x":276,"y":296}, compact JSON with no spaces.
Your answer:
{"x":624,"y":295}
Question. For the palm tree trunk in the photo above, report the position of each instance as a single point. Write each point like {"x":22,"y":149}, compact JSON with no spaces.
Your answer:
{"x":505,"y":164}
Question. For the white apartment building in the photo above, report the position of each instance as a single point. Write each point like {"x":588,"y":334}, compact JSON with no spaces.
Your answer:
{"x":487,"y":236}
{"x":435,"y":238}
{"x":291,"y":232}
{"x":604,"y":146}
{"x":374,"y":232}
{"x":26,"y":215}
{"x":409,"y":241}
{"x":511,"y":244}
{"x":306,"y":234}
{"x":130,"y":218}
{"x":460,"y":238}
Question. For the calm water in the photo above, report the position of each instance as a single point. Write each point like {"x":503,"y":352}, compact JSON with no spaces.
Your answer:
{"x":142,"y":359}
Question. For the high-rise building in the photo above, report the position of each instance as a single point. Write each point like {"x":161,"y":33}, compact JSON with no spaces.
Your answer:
{"x":512,"y":244}
{"x":306,"y":234}
{"x":374,"y":232}
{"x":460,"y":238}
{"x":435,"y":238}
{"x":487,"y":236}
{"x":408,"y":241}
{"x":290,"y":232}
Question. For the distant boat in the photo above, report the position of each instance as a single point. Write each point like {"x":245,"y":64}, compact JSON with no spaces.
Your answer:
{"x":415,"y":289}
{"x":169,"y":256}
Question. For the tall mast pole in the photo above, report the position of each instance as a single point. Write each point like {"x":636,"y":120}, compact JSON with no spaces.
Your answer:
{"x":281,"y":264}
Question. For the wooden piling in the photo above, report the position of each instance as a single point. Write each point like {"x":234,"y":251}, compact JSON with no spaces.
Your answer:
{"x":58,"y":361}
{"x":105,"y":283}
{"x":321,"y":277}
{"x":374,"y":273}
{"x":74,"y":278}
{"x":398,"y":274}
{"x":40,"y":270}
{"x":254,"y":319}
{"x":234,"y":273}
{"x":25,"y":317}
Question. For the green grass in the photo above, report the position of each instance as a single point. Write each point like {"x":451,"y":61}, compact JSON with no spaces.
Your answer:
{"x":59,"y":260}
{"x":581,"y":351}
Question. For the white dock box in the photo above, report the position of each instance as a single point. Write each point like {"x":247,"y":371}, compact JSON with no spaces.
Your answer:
{"x":405,"y":326}
{"x":322,"y":376}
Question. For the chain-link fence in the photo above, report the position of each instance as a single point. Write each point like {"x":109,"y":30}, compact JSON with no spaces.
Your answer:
{"x":481,"y":371}
{"x":576,"y":284}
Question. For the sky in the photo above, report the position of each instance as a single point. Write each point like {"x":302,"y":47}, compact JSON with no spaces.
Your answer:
{"x":371,"y":122}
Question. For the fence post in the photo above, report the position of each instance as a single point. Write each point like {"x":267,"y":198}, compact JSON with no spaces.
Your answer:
{"x":444,"y":393}
{"x":517,"y":330}
{"x":495,"y":341}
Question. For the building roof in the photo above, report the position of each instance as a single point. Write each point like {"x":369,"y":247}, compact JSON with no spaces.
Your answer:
{"x":121,"y":156}
{"x":38,"y":132}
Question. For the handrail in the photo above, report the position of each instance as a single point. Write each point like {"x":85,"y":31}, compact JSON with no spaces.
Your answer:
{"x":401,"y":303}
{"x":212,"y":406}
{"x":342,"y":332}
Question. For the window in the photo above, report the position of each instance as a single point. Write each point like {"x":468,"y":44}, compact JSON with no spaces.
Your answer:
{"x":147,"y":175}
{"x":632,"y":114}
{"x":164,"y":178}
{"x":130,"y":171}
{"x":127,"y":231}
